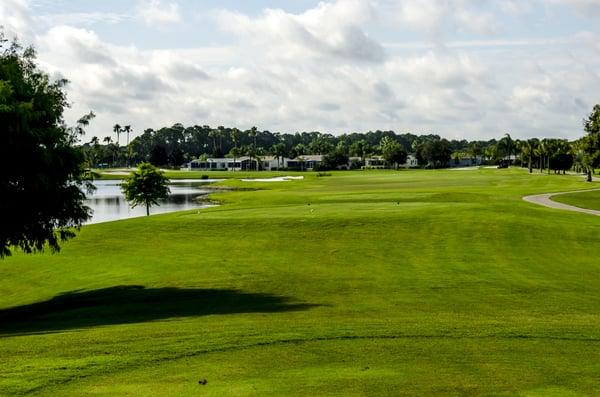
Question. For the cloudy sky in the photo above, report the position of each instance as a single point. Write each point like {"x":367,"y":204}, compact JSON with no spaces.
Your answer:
{"x":459,"y":68}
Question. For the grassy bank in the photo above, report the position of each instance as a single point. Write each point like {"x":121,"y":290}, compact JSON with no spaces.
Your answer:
{"x":358,"y":283}
{"x":590,"y":200}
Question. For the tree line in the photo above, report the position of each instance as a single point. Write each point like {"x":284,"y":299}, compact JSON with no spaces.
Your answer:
{"x":176,"y":145}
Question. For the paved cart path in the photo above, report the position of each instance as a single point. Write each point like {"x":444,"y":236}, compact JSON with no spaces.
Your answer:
{"x":546,"y":201}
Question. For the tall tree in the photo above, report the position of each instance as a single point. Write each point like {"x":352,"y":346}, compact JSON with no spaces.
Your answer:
{"x":360,"y":148}
{"x":475,"y":151}
{"x":392,"y":152}
{"x":214,"y":134}
{"x":146,"y":186}
{"x":591,"y":142}
{"x":127,"y":129}
{"x":221,"y":134}
{"x":506,"y":146}
{"x":235,"y":137}
{"x":42,"y":172}
{"x":117,"y":130}
{"x":279,"y":151}
{"x":528,"y":150}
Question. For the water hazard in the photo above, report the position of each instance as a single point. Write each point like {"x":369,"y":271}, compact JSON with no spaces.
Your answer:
{"x":109,"y":204}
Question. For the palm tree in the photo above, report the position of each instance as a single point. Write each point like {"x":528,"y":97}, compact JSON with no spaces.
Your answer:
{"x":278,"y":150}
{"x":110,"y":145}
{"x":506,"y":146}
{"x":213,"y":134}
{"x":235,"y":137}
{"x":95,"y":144}
{"x":220,"y":135}
{"x":360,"y":148}
{"x":546,"y":150}
{"x":541,"y":152}
{"x":127,"y":129}
{"x":253,"y":132}
{"x":475,"y":150}
{"x":117,"y":129}
{"x":584,"y":161}
{"x":491,"y":153}
{"x":528,"y":149}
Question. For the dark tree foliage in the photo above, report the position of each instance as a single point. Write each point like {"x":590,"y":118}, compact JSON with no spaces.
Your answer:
{"x":591,"y":125}
{"x":434,"y":153}
{"x":591,"y":142}
{"x":41,"y":171}
{"x":394,"y":153}
{"x":177,"y":157}
{"x":159,"y":156}
{"x":333,"y":160}
{"x":440,"y":153}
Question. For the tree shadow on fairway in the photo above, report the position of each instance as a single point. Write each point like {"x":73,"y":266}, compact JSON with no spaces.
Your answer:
{"x":134,"y":304}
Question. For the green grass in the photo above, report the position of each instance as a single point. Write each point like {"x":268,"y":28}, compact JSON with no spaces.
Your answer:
{"x":590,"y":200}
{"x":360,"y":283}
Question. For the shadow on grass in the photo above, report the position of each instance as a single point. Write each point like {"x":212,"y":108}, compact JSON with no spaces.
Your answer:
{"x":135,"y":304}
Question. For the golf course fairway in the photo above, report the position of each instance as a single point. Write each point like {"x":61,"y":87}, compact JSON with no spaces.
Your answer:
{"x":375,"y":283}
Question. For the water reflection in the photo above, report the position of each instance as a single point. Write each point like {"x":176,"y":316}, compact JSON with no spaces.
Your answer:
{"x":109,"y":204}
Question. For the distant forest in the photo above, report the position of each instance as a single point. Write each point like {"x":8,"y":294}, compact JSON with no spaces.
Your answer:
{"x":175,"y":145}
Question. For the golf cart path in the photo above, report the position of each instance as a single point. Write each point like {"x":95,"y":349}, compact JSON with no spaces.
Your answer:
{"x":545,"y":200}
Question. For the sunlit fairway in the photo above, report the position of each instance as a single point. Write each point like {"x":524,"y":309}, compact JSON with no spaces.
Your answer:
{"x":358,"y":283}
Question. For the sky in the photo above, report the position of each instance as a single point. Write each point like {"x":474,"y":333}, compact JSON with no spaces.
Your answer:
{"x":463,"y":69}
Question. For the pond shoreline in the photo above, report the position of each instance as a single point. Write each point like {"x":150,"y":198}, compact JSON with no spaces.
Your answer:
{"x":109,"y":204}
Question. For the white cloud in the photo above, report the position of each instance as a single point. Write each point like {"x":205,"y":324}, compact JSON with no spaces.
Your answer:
{"x":436,"y":16}
{"x":157,"y":12}
{"x":330,"y":29}
{"x":324,"y":69}
{"x":15,"y":19}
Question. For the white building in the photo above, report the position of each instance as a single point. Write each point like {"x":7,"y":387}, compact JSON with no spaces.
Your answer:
{"x":243,"y":163}
{"x":305,"y":162}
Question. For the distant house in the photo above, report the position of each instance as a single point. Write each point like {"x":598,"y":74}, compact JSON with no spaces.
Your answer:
{"x":411,"y":162}
{"x":243,"y":163}
{"x":216,"y":164}
{"x":465,"y":161}
{"x":376,"y":162}
{"x":305,"y":162}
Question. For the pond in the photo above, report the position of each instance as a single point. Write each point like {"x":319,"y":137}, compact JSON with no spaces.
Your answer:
{"x":109,"y":204}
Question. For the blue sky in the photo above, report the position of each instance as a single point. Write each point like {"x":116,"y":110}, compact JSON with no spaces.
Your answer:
{"x":460,"y":68}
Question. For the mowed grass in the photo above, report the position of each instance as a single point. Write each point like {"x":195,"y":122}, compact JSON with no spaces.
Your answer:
{"x":359,"y":283}
{"x":590,"y":200}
